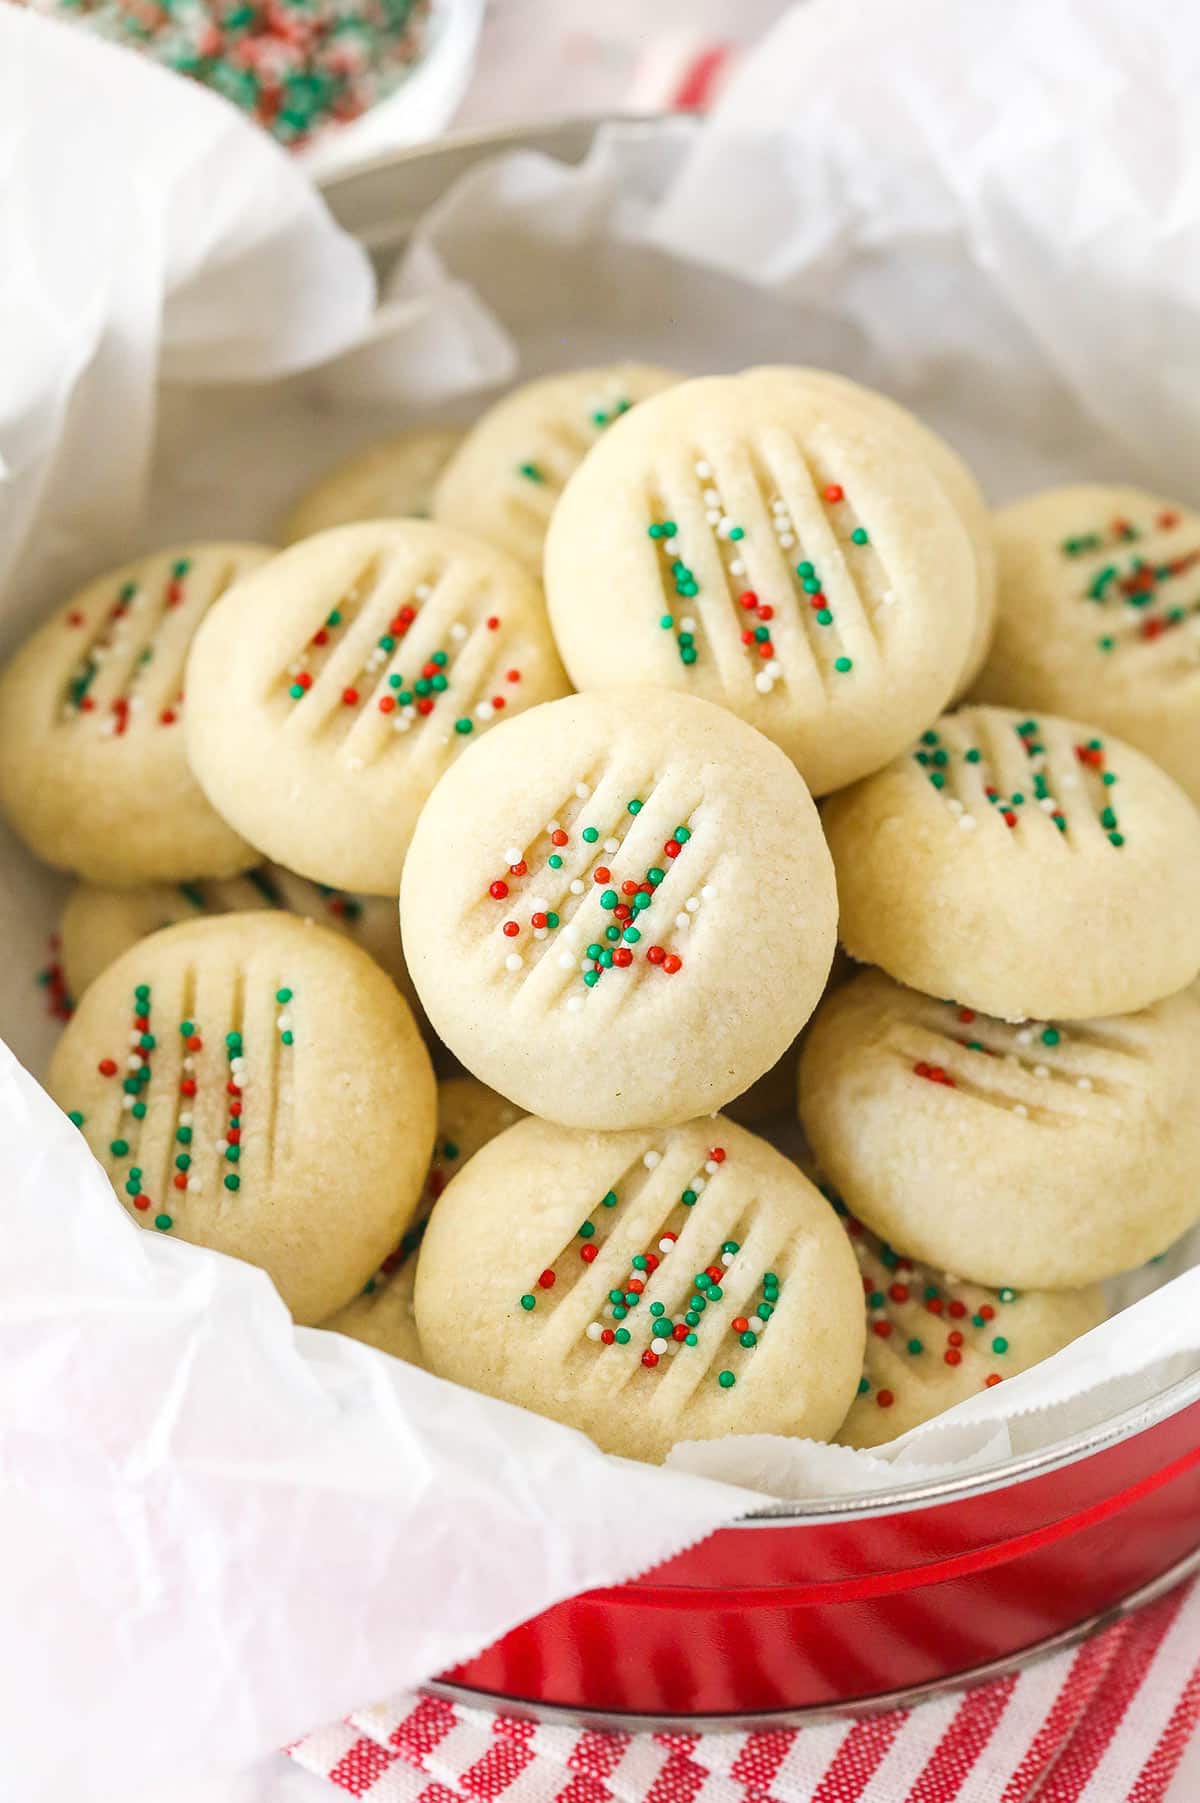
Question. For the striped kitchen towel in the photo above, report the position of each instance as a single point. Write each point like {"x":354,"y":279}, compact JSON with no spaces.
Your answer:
{"x":1105,"y":1722}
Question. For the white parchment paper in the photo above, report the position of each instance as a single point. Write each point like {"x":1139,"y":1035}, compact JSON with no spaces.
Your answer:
{"x":215,"y":1530}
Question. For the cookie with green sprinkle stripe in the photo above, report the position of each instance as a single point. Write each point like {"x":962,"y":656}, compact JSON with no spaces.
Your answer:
{"x":777,"y":545}
{"x":94,"y":774}
{"x":392,"y":479}
{"x":100,"y":923}
{"x":645,"y":1287}
{"x":255,"y":1084}
{"x":505,"y":479}
{"x":469,"y":1115}
{"x":333,"y":688}
{"x":598,"y":899}
{"x":934,"y":1340}
{"x":1047,"y":1154}
{"x":1025,"y":864}
{"x":1100,"y":617}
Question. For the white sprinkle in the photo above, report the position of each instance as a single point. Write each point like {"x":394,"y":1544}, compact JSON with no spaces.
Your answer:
{"x":566,"y":960}
{"x":127,"y":1103}
{"x":538,"y":905}
{"x":954,"y":804}
{"x":612,"y":845}
{"x":764,"y":683}
{"x":552,"y":826}
{"x":737,"y":567}
{"x":774,"y":668}
{"x":582,"y":791}
{"x":968,"y":821}
{"x":133,"y":1063}
{"x":713,"y":516}
{"x":683,"y":920}
{"x":1083,"y":1082}
{"x":576,"y":887}
{"x":1021,"y":1109}
{"x":585,"y":964}
{"x":594,"y":1330}
{"x":724,"y":526}
{"x":484,"y":711}
{"x":540,"y":932}
{"x":786,"y":541}
{"x":514,"y":961}
{"x":574,"y":1004}
{"x":134,"y":1036}
{"x":185,"y":1117}
{"x":283,"y":1022}
{"x":651,"y":1160}
{"x":458,"y":631}
{"x":703,"y":470}
{"x":727,"y":1259}
{"x":754,"y":1325}
{"x":665,"y":1247}
{"x":1040,"y":1070}
{"x":403,"y":722}
{"x":1025,"y":1036}
{"x":687,"y":624}
{"x":698,"y":1184}
{"x":708,"y":892}
{"x":711,"y":1166}
{"x":1047,"y":804}
{"x":692,"y":904}
{"x":659,"y":1346}
{"x":671,"y":547}
{"x":888,"y":597}
{"x":422,"y":591}
{"x":609,"y":1311}
{"x":512,"y":855}
{"x":194,"y":1185}
{"x":711,"y":498}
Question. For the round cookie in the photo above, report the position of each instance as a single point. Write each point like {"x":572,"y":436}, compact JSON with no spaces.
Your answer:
{"x":93,"y":770}
{"x":257,"y":1085}
{"x":505,"y":478}
{"x":98,"y":923}
{"x":774,"y":547}
{"x":599,"y":898}
{"x":1045,"y":1155}
{"x":956,"y":479}
{"x":1100,"y":617}
{"x":933,"y":1340}
{"x":333,"y":689}
{"x":392,"y":479}
{"x":644,"y":1287}
{"x":469,"y":1115}
{"x":1024,"y":865}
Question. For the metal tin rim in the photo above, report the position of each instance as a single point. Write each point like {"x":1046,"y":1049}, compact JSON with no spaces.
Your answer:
{"x":569,"y":138}
{"x":630,"y":1723}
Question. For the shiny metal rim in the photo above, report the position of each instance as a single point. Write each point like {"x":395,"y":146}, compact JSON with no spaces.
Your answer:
{"x":380,"y":201}
{"x":629,"y":1723}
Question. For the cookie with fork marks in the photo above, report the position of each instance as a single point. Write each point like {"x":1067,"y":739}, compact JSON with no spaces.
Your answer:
{"x":93,"y":770}
{"x":774,"y":546}
{"x":1100,"y":617}
{"x":645,"y":1287}
{"x":393,"y":479}
{"x":1026,"y":865}
{"x":255,"y":1084}
{"x":620,"y":910}
{"x":505,"y":479}
{"x":334,"y":688}
{"x":1048,"y":1154}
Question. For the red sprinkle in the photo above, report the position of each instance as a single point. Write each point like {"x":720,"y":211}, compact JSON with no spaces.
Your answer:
{"x":898,"y":1292}
{"x":537,"y":920}
{"x":141,"y":1201}
{"x":623,"y":957}
{"x":655,"y":955}
{"x":602,"y":874}
{"x":672,"y":848}
{"x":493,"y":622}
{"x":167,"y":717}
{"x":188,"y":1086}
{"x":649,"y":1358}
{"x":885,"y":1399}
{"x":952,"y":1357}
{"x":512,"y":676}
{"x":179,"y":1180}
{"x":739,"y":1324}
{"x":588,"y":1253}
{"x":425,"y":705}
{"x":510,"y":929}
{"x":882,"y":1328}
{"x":835,"y":492}
{"x":958,"y":1310}
{"x":749,"y":600}
{"x":607,"y":1335}
{"x":498,"y":890}
{"x":546,"y":1280}
{"x":717,"y":1154}
{"x":107,"y":1067}
{"x":987,"y":1312}
{"x":671,"y":964}
{"x":518,"y":869}
{"x":954,"y":1338}
{"x":350,"y":697}
{"x":387,"y":704}
{"x":558,"y":837}
{"x":992,"y":1378}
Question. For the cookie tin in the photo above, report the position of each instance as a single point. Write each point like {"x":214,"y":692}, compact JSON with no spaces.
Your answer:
{"x":856,"y":1602}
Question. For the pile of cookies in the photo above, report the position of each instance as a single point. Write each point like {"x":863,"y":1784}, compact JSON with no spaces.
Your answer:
{"x":567,"y":686}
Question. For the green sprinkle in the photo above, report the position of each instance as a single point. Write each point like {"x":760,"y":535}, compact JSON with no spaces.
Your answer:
{"x":464,"y":725}
{"x":233,"y":1181}
{"x":609,"y":898}
{"x":631,"y":935}
{"x":75,"y":1118}
{"x":532,"y":473}
{"x":804,"y":569}
{"x":296,"y":691}
{"x":554,"y":861}
{"x":727,"y":1380}
{"x":591,"y":834}
{"x":612,"y":934}
{"x":139,"y":1111}
{"x":915,"y":1346}
{"x":657,"y":1308}
{"x":528,"y":1302}
{"x":283,"y":995}
{"x":552,"y":920}
{"x":736,"y":533}
{"x":609,"y":1201}
{"x":687,"y":654}
{"x":681,"y":835}
{"x":450,"y":1149}
{"x":119,"y":1147}
{"x":655,"y":875}
{"x":843,"y":663}
{"x":333,"y":619}
{"x":1050,"y":1036}
{"x":591,"y":978}
{"x":824,"y":617}
{"x":1116,"y":838}
{"x":863,"y":1386}
{"x":287,"y":1037}
{"x":183,"y":1161}
{"x":667,"y":621}
{"x":1106,"y":643}
{"x":973,"y":756}
{"x":731,"y":1246}
{"x":594,"y":951}
{"x":234,"y":1042}
{"x":164,"y":1223}
{"x":622,"y":1336}
{"x":690,"y":1339}
{"x":1007,"y":1295}
{"x":1000,"y":1344}
{"x":688,"y":1198}
{"x":633,"y":807}
{"x":748,"y":1339}
{"x":691,"y":1319}
{"x":859,"y":537}
{"x":1108,"y":817}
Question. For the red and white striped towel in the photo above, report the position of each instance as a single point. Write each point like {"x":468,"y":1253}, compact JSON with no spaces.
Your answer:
{"x":1105,"y":1722}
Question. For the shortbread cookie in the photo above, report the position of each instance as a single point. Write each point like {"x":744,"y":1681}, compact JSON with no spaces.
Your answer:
{"x":1100,"y":617}
{"x":620,"y":910}
{"x":933,"y":1340}
{"x":334,"y":688}
{"x":256,"y":1084}
{"x":775,"y":547}
{"x":646,"y":1288}
{"x":98,"y":924}
{"x":956,"y":479}
{"x":469,"y":1115}
{"x":1025,"y":865}
{"x":505,"y":479}
{"x":93,"y":771}
{"x":391,"y":480}
{"x":1046,"y":1154}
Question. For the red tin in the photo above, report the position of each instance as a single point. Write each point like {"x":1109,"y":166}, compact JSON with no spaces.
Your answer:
{"x":854,"y":1602}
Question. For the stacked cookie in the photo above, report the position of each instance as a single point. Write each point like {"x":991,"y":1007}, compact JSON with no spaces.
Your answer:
{"x":620,"y":907}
